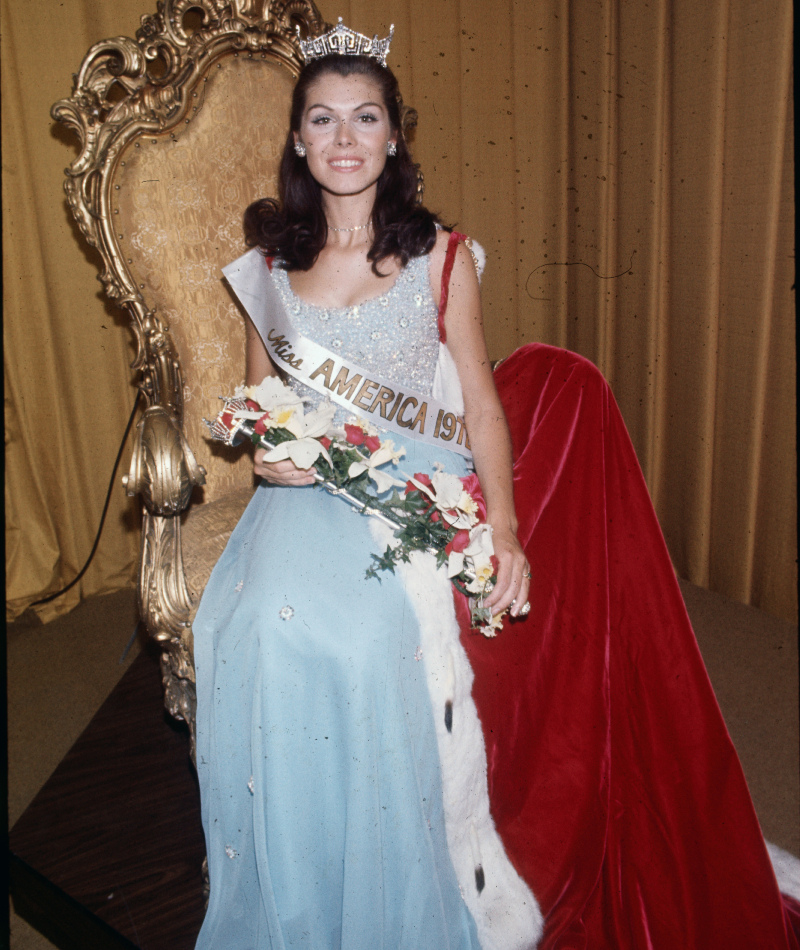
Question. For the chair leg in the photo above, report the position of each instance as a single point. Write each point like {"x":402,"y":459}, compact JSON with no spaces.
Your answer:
{"x":165,"y":607}
{"x":180,"y":696}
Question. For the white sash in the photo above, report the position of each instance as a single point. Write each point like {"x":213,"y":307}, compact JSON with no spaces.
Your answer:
{"x":384,"y":403}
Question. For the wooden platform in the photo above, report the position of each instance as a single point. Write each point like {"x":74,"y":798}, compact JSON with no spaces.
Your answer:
{"x":109,"y":853}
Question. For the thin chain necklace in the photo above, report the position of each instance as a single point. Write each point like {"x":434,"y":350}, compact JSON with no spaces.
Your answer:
{"x":360,"y":227}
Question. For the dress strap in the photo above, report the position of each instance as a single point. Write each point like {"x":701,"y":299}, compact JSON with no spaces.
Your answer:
{"x":449,"y":259}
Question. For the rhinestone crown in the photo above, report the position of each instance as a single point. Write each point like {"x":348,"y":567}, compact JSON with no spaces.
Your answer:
{"x":342,"y":41}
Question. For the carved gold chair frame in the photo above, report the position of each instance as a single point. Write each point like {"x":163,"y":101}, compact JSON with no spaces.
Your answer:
{"x":181,"y":128}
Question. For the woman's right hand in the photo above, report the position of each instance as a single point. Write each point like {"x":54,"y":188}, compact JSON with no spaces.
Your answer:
{"x":282,"y":473}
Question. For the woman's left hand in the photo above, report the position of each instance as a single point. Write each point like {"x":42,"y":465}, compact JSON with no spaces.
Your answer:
{"x":513,"y":574}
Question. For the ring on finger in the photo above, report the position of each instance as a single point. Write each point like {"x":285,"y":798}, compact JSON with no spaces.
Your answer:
{"x":525,"y":609}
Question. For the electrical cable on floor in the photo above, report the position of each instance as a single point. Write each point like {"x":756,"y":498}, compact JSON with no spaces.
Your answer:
{"x":74,"y":581}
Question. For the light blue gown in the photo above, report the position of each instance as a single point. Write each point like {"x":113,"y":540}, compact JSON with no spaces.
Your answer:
{"x":316,"y":749}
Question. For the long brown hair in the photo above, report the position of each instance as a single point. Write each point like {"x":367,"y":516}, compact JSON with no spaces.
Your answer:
{"x":294,"y":228}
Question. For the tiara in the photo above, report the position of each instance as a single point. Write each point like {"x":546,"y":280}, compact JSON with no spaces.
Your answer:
{"x":342,"y":41}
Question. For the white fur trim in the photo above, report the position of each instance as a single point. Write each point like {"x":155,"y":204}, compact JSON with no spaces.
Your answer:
{"x":505,"y":911}
{"x":787,"y":870}
{"x":479,"y":256}
{"x":446,"y":384}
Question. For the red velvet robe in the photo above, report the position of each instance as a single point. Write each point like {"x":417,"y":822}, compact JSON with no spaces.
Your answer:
{"x":613,"y":781}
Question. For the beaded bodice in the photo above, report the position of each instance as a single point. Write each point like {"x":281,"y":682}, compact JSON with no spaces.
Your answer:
{"x":394,"y":335}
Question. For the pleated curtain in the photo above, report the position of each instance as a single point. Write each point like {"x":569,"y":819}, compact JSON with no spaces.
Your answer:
{"x":627,"y":167}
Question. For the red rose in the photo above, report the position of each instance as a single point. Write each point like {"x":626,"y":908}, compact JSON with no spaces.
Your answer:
{"x":325,"y":441}
{"x":372,"y":442}
{"x":473,"y":487}
{"x":252,"y":406}
{"x":355,"y":434}
{"x":459,"y":542}
{"x":260,"y":427}
{"x":420,"y":477}
{"x":435,"y":516}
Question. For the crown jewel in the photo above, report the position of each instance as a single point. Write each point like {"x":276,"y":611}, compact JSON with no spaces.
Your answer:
{"x":342,"y":41}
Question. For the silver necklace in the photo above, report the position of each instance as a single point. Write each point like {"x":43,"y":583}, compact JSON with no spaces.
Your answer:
{"x":361,"y":227}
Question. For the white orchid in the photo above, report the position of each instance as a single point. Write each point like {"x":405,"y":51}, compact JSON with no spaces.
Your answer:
{"x":476,"y":557}
{"x":311,"y":425}
{"x":388,"y":453}
{"x":303,"y":452}
{"x":490,"y":627}
{"x":483,"y":571}
{"x":272,"y":393}
{"x":371,"y":464}
{"x":305,"y":448}
{"x":448,"y":489}
{"x":480,"y":541}
{"x":468,"y":506}
{"x":478,"y":554}
{"x":275,"y":398}
{"x":455,"y":563}
{"x":447,"y":492}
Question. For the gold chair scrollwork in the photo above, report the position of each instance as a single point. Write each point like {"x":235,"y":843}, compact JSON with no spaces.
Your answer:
{"x":181,"y":128}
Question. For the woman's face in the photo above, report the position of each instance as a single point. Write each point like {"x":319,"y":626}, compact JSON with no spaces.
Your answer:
{"x":345,"y":129}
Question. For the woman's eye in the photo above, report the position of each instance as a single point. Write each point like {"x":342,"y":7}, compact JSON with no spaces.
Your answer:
{"x":321,"y":120}
{"x":367,"y":117}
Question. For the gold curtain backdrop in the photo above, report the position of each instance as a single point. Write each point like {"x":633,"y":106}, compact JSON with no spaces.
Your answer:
{"x":628,"y":169}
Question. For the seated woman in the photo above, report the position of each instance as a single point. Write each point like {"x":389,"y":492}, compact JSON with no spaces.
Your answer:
{"x":373,"y":773}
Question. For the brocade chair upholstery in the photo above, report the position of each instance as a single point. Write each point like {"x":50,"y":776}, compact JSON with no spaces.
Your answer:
{"x":180,"y":130}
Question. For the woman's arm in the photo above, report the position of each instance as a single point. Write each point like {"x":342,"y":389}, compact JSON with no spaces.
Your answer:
{"x":257,"y":366}
{"x":486,"y":423}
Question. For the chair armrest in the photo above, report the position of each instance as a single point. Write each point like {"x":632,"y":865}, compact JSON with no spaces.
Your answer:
{"x":163,"y":467}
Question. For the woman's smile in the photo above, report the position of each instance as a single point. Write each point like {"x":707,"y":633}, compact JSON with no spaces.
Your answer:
{"x":347,"y":163}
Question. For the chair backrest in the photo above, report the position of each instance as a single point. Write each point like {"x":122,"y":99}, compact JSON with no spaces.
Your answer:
{"x":180,"y":197}
{"x":181,"y":129}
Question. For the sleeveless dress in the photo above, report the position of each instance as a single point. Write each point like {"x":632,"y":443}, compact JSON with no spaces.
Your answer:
{"x":317,"y":755}
{"x":587,"y":775}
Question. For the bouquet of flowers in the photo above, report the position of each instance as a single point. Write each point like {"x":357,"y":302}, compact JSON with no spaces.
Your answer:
{"x":441,"y":514}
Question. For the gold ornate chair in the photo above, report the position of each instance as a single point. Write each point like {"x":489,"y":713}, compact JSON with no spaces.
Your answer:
{"x":180,"y":130}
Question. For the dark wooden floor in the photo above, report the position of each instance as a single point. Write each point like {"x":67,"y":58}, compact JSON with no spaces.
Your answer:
{"x":109,"y":852}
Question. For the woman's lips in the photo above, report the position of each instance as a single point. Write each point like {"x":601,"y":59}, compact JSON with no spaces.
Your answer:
{"x":346,"y":164}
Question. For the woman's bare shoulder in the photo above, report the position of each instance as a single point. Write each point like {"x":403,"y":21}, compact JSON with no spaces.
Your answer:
{"x":439,"y":250}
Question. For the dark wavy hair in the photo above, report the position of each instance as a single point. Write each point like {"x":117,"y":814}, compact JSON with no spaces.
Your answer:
{"x":294,"y":227}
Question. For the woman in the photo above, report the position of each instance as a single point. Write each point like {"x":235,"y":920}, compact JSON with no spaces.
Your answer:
{"x":350,"y":835}
{"x":340,"y":808}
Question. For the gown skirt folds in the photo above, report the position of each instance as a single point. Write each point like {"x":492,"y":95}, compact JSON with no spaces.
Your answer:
{"x":612,"y":779}
{"x":317,"y":754}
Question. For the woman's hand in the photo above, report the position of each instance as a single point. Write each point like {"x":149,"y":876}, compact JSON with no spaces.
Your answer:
{"x":282,"y":473}
{"x":513,"y":574}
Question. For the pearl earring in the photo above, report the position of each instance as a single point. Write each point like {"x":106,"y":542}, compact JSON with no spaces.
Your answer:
{"x":299,"y":150}
{"x":391,"y":148}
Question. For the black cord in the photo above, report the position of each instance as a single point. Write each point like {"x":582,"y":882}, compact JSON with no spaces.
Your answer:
{"x":82,"y":571}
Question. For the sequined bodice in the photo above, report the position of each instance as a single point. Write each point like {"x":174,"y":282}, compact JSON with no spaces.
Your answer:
{"x":394,"y":335}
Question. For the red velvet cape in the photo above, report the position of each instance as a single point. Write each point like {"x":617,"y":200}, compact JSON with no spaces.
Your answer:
{"x":612,"y":778}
